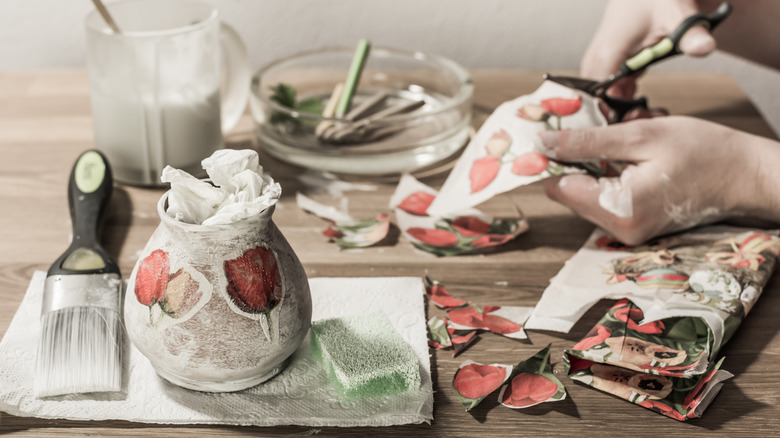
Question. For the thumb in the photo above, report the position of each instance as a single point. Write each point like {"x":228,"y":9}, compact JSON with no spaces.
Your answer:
{"x":698,"y":42}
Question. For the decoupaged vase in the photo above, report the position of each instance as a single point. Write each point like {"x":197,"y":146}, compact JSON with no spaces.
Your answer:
{"x":217,"y":308}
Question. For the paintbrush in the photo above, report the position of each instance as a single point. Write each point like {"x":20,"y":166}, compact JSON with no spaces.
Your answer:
{"x":81,"y":327}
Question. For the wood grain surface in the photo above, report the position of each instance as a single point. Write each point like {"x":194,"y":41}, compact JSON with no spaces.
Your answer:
{"x":45,"y":124}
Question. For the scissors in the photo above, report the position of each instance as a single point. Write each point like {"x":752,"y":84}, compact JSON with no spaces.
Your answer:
{"x":668,"y":47}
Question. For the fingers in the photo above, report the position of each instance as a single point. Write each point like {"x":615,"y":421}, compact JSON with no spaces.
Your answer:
{"x":622,"y":141}
{"x":697,"y":42}
{"x":604,"y":202}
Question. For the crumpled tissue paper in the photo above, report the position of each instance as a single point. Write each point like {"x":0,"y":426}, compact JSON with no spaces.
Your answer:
{"x":300,"y":395}
{"x":238,"y":189}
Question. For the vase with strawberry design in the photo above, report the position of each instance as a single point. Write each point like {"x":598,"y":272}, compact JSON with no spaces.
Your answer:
{"x":217,"y":308}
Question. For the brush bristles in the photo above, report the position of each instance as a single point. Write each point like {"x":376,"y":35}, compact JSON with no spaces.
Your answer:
{"x":79,"y":351}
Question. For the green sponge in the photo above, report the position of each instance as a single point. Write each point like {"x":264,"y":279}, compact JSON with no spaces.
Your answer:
{"x":365,"y":356}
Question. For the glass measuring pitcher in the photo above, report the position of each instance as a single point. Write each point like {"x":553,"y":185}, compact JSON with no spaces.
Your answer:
{"x":155,"y":85}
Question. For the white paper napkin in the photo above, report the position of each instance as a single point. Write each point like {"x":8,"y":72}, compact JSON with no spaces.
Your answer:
{"x":300,"y":395}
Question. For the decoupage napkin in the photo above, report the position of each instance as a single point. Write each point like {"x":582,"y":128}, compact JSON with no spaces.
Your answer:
{"x":300,"y":395}
{"x":683,"y":297}
{"x":503,"y":154}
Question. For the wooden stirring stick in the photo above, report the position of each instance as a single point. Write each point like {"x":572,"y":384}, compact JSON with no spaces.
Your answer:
{"x":106,"y":16}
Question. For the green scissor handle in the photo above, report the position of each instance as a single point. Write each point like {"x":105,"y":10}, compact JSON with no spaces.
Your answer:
{"x":668,"y":46}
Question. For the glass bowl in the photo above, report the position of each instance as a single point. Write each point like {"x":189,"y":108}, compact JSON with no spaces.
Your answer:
{"x":395,"y":144}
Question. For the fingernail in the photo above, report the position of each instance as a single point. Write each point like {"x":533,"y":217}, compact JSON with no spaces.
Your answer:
{"x":546,"y":143}
{"x":697,"y":43}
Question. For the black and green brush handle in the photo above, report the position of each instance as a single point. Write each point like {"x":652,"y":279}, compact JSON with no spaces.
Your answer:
{"x":89,"y":190}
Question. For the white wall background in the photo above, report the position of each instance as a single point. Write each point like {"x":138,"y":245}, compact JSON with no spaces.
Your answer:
{"x":533,"y":34}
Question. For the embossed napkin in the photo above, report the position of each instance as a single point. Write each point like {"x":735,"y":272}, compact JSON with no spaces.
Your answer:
{"x":300,"y":395}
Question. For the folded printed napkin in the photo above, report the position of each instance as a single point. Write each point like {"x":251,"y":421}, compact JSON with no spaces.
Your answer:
{"x":300,"y":395}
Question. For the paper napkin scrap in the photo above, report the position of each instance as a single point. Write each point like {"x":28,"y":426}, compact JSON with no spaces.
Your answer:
{"x":502,"y":155}
{"x":300,"y":395}
{"x":713,"y":273}
{"x":464,"y":232}
{"x":345,"y":231}
{"x":530,"y":382}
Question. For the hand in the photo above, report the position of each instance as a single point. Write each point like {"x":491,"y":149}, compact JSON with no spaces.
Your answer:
{"x":680,"y":172}
{"x":629,"y":26}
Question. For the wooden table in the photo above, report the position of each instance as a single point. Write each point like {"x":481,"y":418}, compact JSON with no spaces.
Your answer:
{"x":45,"y":123}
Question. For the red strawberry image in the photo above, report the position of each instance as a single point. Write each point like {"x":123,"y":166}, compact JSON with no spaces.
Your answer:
{"x":254,"y":282}
{"x":561,"y":107}
{"x":467,"y":316}
{"x":483,"y":172}
{"x":181,"y":294}
{"x":151,"y":279}
{"x":498,"y":143}
{"x":489,"y":240}
{"x":527,"y":390}
{"x":433,"y":237}
{"x":498,"y":324}
{"x":529,"y":164}
{"x":417,"y":203}
{"x":442,"y":298}
{"x":469,"y":226}
{"x":475,"y":381}
{"x":595,"y":336}
{"x":332,"y":232}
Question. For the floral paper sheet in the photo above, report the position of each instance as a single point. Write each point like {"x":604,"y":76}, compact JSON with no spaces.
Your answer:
{"x":654,"y":365}
{"x":683,"y":297}
{"x":463,"y":232}
{"x":502,"y":155}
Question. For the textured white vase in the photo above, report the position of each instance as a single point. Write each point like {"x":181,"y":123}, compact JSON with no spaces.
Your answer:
{"x":217,"y":308}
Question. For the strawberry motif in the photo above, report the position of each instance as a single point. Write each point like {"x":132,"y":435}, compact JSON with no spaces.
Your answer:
{"x":254,"y":282}
{"x":470,"y":226}
{"x":483,"y":172}
{"x":530,"y":164}
{"x":559,"y":106}
{"x":417,"y":203}
{"x":475,"y":381}
{"x":151,"y":279}
{"x":442,"y":298}
{"x":433,"y":237}
{"x":527,"y":390}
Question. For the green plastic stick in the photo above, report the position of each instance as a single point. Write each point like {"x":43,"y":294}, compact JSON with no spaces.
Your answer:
{"x":355,"y":69}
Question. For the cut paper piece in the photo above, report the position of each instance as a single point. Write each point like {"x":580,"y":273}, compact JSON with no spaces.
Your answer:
{"x":677,"y":347}
{"x":674,"y":397}
{"x":440,"y":296}
{"x":474,"y":381}
{"x":442,"y":337}
{"x":503,"y":320}
{"x":359,"y":234}
{"x":532,"y":382}
{"x":503,"y":155}
{"x":715,"y":274}
{"x":462,"y":340}
{"x":438,"y":335}
{"x":469,"y":231}
{"x":344,"y":231}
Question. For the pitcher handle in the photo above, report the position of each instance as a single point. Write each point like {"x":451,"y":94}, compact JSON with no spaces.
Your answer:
{"x":235,"y":93}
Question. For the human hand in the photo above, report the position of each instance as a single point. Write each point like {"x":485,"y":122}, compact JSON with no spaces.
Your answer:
{"x":629,"y":26}
{"x":680,"y":172}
